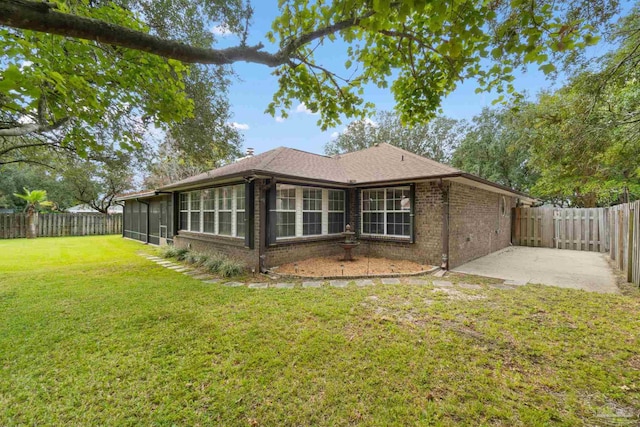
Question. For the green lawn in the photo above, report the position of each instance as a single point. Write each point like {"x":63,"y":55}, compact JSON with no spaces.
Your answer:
{"x":92,"y":333}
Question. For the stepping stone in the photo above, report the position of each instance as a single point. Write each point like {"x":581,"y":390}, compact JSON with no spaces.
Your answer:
{"x":391,"y":281}
{"x":440,"y":273}
{"x":202,"y":276}
{"x":182,"y":270}
{"x":212,"y":281}
{"x":364,"y":282}
{"x":503,"y":287}
{"x":258,"y":285}
{"x":442,"y":283}
{"x":516,"y":282}
{"x":284,"y":285}
{"x":419,"y":282}
{"x":164,"y":262}
{"x":469,"y":286}
{"x":234,"y":284}
{"x":174,"y":267}
{"x":315,"y":284}
{"x":193,"y":273}
{"x":338,"y":283}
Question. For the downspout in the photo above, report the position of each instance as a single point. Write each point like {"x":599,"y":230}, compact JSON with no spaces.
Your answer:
{"x":147,"y":204}
{"x":445,"y":225}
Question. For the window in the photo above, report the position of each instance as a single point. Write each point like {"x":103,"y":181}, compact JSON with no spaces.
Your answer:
{"x":308,"y":211}
{"x":194,"y":202}
{"x":386,"y":212}
{"x":311,"y":212}
{"x":373,"y":211}
{"x":240,"y":208}
{"x":209,"y":211}
{"x":214,"y":210}
{"x":225,"y":210}
{"x":184,"y":211}
{"x":336,"y":211}
{"x":285,"y":211}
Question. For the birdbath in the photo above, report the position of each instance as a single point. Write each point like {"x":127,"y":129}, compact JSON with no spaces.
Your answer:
{"x":349,"y":243}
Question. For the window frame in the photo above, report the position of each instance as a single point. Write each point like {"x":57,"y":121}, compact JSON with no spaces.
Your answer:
{"x":228,"y":206}
{"x":334,"y":211}
{"x":385,"y":211}
{"x":298,"y":210}
{"x":279,"y":209}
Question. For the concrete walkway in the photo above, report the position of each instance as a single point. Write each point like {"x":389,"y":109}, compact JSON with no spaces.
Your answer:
{"x":557,"y":267}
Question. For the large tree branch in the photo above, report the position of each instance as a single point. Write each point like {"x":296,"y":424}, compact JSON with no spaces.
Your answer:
{"x":32,"y":127}
{"x":39,"y":16}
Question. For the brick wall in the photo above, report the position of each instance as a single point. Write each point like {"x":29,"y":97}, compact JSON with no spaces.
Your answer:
{"x":284,"y":253}
{"x":228,"y":246}
{"x":427,"y":248}
{"x":477,"y":226}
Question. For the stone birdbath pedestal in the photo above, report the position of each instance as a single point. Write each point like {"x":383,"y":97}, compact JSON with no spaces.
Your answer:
{"x":349,"y":243}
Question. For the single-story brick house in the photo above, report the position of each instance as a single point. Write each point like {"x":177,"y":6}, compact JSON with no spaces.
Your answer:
{"x":286,"y":205}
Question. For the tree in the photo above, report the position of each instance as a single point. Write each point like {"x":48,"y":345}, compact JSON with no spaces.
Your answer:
{"x":36,"y":200}
{"x":14,"y":177}
{"x":76,"y":96}
{"x":584,"y":137}
{"x":172,"y":163}
{"x":492,"y":149}
{"x":97,"y":184}
{"x":435,"y":140}
{"x":426,"y":48}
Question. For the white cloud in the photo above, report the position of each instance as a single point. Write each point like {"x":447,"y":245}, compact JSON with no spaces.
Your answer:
{"x":335,"y":134}
{"x":240,"y":126}
{"x":302,"y":108}
{"x":280,"y":119}
{"x":221,"y":30}
{"x":368,"y":121}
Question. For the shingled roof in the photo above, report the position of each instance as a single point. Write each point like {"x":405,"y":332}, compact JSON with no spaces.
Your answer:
{"x":382,"y":162}
{"x":377,"y":164}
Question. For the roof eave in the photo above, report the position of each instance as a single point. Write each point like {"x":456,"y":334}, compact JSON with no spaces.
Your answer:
{"x":144,"y":195}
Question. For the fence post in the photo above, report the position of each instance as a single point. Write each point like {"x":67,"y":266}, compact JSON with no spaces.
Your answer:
{"x":630,"y":246}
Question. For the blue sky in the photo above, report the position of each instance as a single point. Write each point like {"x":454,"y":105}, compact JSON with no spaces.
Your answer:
{"x":253,"y":90}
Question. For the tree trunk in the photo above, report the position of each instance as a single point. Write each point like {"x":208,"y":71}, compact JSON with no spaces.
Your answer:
{"x":32,"y":224}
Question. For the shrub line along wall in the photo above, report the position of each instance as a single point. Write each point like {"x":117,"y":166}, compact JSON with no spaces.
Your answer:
{"x":14,"y":226}
{"x":614,"y":230}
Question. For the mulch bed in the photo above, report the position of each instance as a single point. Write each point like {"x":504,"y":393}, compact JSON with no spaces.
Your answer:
{"x":361,"y":266}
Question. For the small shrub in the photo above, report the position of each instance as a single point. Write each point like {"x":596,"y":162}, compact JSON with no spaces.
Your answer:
{"x":201,"y":260}
{"x":181,"y":254}
{"x":213,"y":264}
{"x":169,"y":251}
{"x":230,"y":268}
{"x":192,"y":258}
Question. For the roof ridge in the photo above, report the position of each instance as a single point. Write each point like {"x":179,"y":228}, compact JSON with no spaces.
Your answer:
{"x":423,"y":158}
{"x":268,"y":159}
{"x":307,"y":152}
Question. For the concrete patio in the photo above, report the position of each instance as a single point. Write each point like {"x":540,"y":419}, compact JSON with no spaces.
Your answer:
{"x":557,"y":267}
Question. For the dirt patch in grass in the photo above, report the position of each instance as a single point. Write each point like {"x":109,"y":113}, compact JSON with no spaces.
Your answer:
{"x":361,"y":266}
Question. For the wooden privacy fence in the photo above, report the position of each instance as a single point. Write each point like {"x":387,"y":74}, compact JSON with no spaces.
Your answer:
{"x":577,"y":229}
{"x":13,"y":226}
{"x":614,"y":230}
